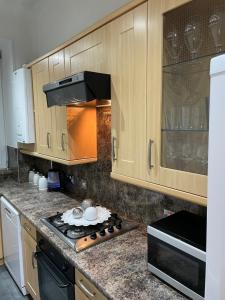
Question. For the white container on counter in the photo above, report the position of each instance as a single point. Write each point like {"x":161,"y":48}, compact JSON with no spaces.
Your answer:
{"x":43,"y":183}
{"x":36,"y":179}
{"x":31,"y":176}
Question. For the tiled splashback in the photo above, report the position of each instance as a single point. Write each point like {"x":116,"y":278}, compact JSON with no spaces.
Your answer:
{"x":93,"y":180}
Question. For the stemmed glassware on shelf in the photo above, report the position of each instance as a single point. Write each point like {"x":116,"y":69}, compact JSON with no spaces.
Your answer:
{"x":193,"y":36}
{"x":173,"y":44}
{"x":215,"y":26}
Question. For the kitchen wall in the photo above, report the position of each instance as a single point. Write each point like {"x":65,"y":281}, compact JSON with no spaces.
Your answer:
{"x":15,"y":20}
{"x":30,"y":28}
{"x":55,"y":21}
{"x":93,"y":180}
{"x":15,"y":48}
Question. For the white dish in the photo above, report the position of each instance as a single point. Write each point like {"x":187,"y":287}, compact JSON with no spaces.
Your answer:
{"x":103,"y":215}
{"x":90,"y":214}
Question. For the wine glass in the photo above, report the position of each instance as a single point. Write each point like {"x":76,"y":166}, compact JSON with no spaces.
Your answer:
{"x":173,"y":44}
{"x":215,"y":26}
{"x":193,"y":36}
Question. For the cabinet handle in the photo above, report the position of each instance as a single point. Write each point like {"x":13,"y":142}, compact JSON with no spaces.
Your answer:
{"x":150,"y":154}
{"x":48,"y":140}
{"x":114,"y":156}
{"x":86,"y":290}
{"x":63,"y":142}
{"x":33,"y":257}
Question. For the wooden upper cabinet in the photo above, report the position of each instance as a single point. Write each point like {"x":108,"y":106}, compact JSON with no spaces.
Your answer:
{"x":43,"y":114}
{"x":57,"y":66}
{"x":74,"y":128}
{"x":87,"y":54}
{"x":175,"y":114}
{"x":57,"y":72}
{"x":67,"y":133}
{"x":127,"y":64}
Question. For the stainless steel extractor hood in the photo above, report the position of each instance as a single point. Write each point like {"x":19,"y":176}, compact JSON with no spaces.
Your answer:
{"x":78,"y":88}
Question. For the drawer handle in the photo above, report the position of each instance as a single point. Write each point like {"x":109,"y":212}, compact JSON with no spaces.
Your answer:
{"x":26,"y":227}
{"x":86,"y":290}
{"x":114,"y":146}
{"x":150,"y":154}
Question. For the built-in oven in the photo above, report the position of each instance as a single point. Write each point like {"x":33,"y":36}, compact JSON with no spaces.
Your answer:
{"x":55,"y":274}
{"x":176,"y":252}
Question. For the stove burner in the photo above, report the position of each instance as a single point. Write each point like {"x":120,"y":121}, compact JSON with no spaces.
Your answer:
{"x":83,"y":237}
{"x":75,"y":232}
{"x":57,"y":221}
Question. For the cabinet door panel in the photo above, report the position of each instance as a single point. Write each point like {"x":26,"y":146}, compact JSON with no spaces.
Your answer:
{"x":57,"y":72}
{"x":43,"y":114}
{"x":171,"y":178}
{"x":87,"y":54}
{"x":127,"y":64}
{"x":31,"y":273}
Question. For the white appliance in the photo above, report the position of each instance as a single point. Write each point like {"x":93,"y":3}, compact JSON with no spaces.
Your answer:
{"x":215,"y":261}
{"x":23,"y":101}
{"x":12,"y":243}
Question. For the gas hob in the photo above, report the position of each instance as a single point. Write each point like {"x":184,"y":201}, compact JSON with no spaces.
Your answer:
{"x":83,"y":237}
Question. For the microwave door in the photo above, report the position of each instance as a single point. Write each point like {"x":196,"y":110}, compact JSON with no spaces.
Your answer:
{"x":183,"y":271}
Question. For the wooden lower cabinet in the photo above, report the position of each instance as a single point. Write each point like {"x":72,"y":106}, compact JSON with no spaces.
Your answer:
{"x":85,"y":290}
{"x":30,"y":265}
{"x":79,"y":294}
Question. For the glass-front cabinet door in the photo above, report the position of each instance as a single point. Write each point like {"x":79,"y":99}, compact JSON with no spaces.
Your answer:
{"x":188,"y":34}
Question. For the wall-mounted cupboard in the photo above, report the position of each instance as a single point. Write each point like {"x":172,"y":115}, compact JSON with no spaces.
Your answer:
{"x":127,"y":63}
{"x":169,"y":124}
{"x":63,"y":134}
{"x":158,"y":55}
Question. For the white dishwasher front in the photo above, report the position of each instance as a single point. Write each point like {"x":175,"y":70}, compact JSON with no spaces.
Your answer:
{"x":12,"y":243}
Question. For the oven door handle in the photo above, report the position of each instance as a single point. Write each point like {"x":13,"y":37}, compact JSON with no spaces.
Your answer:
{"x":50,"y":267}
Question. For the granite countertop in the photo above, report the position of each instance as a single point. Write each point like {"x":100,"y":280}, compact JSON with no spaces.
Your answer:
{"x":118,"y":267}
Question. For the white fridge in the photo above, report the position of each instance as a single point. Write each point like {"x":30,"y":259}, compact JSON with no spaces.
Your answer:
{"x":215,"y":257}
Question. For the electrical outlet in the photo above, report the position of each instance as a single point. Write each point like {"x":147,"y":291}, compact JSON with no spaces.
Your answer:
{"x":71,"y":178}
{"x":167,"y":212}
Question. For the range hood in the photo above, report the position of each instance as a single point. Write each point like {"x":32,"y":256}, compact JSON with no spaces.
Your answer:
{"x":78,"y":88}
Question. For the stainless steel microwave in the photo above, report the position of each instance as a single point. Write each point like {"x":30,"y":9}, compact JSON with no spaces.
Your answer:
{"x":177,"y":252}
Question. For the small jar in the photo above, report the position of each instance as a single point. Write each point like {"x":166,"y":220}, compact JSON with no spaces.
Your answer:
{"x":31,"y":176}
{"x":36,"y":179}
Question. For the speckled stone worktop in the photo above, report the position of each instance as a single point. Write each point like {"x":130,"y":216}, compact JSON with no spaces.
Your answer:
{"x":117,"y":267}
